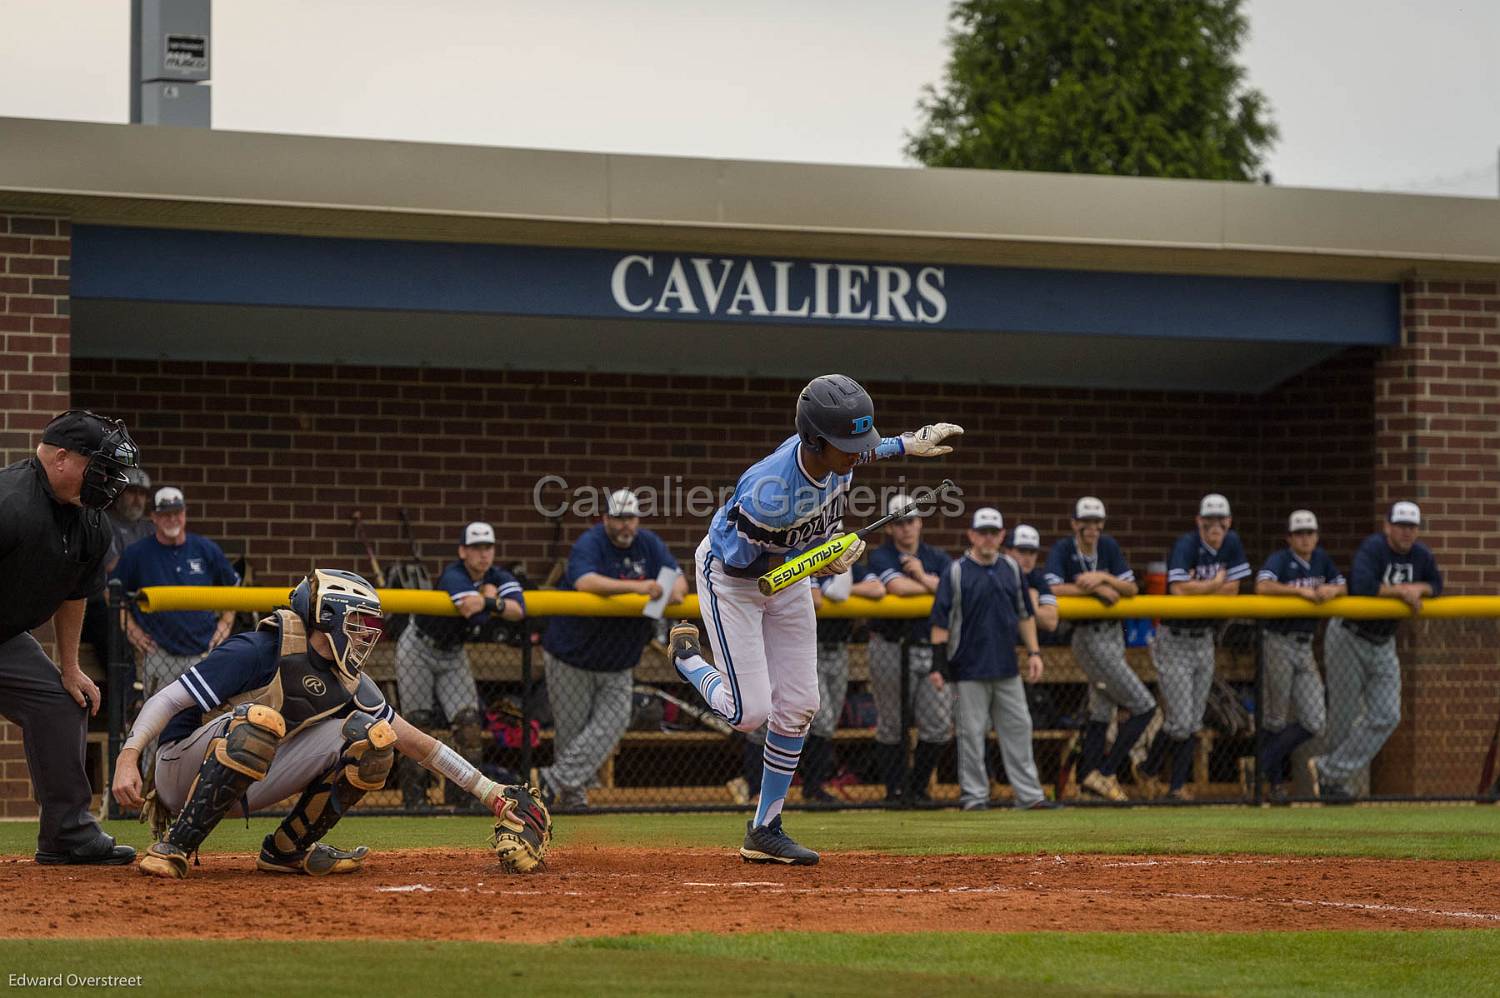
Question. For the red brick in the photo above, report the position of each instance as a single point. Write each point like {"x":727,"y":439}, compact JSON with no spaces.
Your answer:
{"x":33,"y":226}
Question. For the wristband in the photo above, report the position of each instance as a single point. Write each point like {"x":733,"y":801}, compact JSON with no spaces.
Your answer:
{"x":491,"y":604}
{"x":1037,"y":653}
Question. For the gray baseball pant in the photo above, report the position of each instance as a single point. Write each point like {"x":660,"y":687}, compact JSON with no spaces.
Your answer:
{"x":592,"y":713}
{"x":1364,"y":700}
{"x":423,"y":670}
{"x":1293,"y":690}
{"x":1100,"y":653}
{"x":932,"y":709}
{"x":1184,"y":674}
{"x":299,"y":760}
{"x":1001,"y":703}
{"x":833,"y":688}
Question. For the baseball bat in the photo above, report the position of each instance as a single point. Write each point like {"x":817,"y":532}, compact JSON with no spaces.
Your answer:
{"x":706,"y":718}
{"x":813,"y":559}
{"x":359,"y":535}
{"x":1487,"y":775}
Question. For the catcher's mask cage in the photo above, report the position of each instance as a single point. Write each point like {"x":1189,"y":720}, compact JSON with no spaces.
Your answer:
{"x":345,"y":607}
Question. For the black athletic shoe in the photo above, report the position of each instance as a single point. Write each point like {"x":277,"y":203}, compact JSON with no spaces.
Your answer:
{"x":101,"y":852}
{"x":769,"y":844}
{"x":683,"y":639}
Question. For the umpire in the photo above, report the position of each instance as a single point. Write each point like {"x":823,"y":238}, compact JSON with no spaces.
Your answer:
{"x":54,"y":540}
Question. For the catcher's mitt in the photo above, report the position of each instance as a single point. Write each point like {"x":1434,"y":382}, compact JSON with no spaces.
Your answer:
{"x":523,"y":829}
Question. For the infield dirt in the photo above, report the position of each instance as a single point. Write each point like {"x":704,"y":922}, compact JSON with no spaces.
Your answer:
{"x":598,"y":891}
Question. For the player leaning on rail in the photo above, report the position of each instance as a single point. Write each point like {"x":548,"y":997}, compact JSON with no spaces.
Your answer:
{"x":765,"y":644}
{"x":284,"y":709}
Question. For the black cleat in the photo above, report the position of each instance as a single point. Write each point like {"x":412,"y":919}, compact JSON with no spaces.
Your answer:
{"x":683,"y":639}
{"x":769,"y":844}
{"x":101,"y":852}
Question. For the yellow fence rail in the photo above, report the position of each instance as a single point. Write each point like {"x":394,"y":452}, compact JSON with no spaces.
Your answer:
{"x":554,"y":603}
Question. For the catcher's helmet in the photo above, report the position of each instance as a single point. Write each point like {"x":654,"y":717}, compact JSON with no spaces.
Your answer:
{"x":834,"y":408}
{"x":346,"y":608}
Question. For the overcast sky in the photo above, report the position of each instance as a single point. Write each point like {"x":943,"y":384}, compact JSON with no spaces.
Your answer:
{"x":1372,"y":94}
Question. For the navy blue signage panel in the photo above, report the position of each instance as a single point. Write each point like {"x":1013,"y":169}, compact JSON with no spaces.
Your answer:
{"x":249,"y":269}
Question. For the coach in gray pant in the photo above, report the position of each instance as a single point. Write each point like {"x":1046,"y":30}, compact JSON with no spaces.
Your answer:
{"x":980,"y":609}
{"x":53,"y":543}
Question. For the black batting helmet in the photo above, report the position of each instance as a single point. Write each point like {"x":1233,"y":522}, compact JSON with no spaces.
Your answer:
{"x":834,"y":408}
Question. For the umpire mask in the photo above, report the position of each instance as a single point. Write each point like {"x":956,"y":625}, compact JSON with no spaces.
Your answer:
{"x":345,"y":607}
{"x":107,"y":445}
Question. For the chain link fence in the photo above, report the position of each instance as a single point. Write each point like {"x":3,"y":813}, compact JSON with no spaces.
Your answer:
{"x":1128,"y":710}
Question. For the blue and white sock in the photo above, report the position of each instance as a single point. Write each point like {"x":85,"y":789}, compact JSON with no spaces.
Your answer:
{"x":782,"y":753}
{"x":709,"y":684}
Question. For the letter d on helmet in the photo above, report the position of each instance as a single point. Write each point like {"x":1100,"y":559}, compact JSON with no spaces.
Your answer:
{"x":834,"y":408}
{"x":345,"y":607}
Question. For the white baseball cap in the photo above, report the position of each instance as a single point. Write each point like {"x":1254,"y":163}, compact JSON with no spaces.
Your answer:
{"x":1089,"y":508}
{"x":478,"y":532}
{"x":1406,"y":512}
{"x":986,"y":517}
{"x":1301,"y":519}
{"x":169,"y":498}
{"x":1025,"y":538}
{"x":623,"y":503}
{"x":1213,"y":504}
{"x":897,"y":502}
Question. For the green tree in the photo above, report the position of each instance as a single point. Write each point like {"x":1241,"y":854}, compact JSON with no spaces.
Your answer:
{"x":1144,"y":88}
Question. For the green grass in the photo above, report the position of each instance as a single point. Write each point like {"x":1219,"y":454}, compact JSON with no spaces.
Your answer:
{"x":1311,"y":963}
{"x":1393,"y":831}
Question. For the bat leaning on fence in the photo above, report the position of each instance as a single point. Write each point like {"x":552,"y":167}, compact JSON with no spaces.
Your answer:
{"x":363,"y":538}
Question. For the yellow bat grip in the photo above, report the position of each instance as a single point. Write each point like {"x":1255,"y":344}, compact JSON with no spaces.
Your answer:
{"x":804,"y":564}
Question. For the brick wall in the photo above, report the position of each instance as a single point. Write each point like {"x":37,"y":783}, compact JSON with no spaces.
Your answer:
{"x":35,"y":258}
{"x":275,"y":458}
{"x":34,"y":351}
{"x":1437,"y":407}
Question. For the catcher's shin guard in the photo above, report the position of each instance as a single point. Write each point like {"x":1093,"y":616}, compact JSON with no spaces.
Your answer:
{"x":363,"y":765}
{"x":234,"y":761}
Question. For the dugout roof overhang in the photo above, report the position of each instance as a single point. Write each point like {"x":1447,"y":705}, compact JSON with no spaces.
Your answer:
{"x":204,"y":244}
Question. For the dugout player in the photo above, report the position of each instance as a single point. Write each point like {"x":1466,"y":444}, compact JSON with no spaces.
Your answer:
{"x":1291,"y":686}
{"x":765,"y":647}
{"x":1090,"y":563}
{"x":1208,"y":561}
{"x":1364,"y":674}
{"x":1025,"y":548}
{"x":281,"y":710}
{"x":54,"y":540}
{"x":833,"y":676}
{"x":906,"y":566}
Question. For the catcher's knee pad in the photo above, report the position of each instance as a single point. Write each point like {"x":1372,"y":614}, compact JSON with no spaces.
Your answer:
{"x":362,"y":765}
{"x":235,"y":760}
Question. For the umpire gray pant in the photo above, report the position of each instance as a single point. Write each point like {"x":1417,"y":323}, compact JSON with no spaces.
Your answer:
{"x":1293,"y":689}
{"x":1100,"y":653}
{"x":1000,"y":703}
{"x":833,"y":688}
{"x":592,"y":712}
{"x":932,"y":709}
{"x":1364,"y":700}
{"x":54,"y":731}
{"x":1185,"y":673}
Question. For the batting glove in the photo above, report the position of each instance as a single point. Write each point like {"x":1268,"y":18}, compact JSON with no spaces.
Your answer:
{"x":843,"y":562}
{"x":931,"y":440}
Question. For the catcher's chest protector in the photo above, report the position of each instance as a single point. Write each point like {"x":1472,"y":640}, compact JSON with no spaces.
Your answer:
{"x":304,"y":692}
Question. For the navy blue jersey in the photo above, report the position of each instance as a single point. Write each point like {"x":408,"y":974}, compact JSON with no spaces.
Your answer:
{"x":885,"y":562}
{"x":450,"y":632}
{"x":1285,"y":567}
{"x":1193,"y":560}
{"x":1376,"y":565}
{"x":243,"y":663}
{"x":837,"y":630}
{"x":607,"y":644}
{"x":1037,"y":579}
{"x":1066,"y":563}
{"x":197,"y":561}
{"x":991,"y":606}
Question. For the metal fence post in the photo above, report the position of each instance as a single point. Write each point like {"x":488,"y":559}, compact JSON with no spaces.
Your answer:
{"x":526,"y":699}
{"x":116,"y":686}
{"x":908,"y":796}
{"x":1260,"y":700}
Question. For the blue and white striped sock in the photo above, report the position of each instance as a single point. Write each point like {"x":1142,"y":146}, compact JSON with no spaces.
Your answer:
{"x":709,"y":684}
{"x":782,"y":753}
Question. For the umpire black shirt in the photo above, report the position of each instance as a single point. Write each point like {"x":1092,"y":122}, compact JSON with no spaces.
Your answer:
{"x":50,"y":551}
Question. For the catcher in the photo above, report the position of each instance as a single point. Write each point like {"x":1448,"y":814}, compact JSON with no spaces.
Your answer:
{"x":285,"y":709}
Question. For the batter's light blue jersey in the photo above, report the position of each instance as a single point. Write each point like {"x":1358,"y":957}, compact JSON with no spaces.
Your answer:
{"x":779,"y":510}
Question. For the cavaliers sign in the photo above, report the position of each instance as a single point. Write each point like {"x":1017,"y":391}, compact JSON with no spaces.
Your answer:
{"x":723,"y":287}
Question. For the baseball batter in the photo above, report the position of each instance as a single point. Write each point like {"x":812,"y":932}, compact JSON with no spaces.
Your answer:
{"x":1090,"y":563}
{"x":765,"y":647}
{"x":1291,"y":684}
{"x":277,"y":711}
{"x":1204,"y":562}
